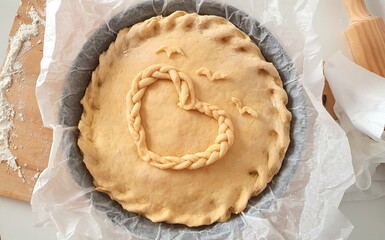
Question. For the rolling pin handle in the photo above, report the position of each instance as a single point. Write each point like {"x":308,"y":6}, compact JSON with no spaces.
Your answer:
{"x":357,"y":10}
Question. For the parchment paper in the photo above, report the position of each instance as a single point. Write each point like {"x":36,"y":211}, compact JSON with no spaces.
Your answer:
{"x":302,"y":200}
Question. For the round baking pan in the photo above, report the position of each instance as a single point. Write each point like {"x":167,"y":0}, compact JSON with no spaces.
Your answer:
{"x":80,"y":75}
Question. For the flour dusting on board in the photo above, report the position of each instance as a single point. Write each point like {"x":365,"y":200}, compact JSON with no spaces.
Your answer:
{"x":19,"y":44}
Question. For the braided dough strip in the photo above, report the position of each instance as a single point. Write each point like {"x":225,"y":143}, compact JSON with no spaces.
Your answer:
{"x":187,"y":101}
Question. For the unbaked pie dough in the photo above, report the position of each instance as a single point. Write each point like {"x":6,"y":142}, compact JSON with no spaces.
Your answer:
{"x":184,"y":120}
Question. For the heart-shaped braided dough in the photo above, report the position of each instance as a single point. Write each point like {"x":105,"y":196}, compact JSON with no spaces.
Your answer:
{"x":187,"y":101}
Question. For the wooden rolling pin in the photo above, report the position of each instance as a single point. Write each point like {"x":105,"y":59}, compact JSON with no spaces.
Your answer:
{"x":366,"y":37}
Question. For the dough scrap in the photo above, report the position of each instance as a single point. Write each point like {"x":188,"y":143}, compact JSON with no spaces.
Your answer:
{"x":244,"y":109}
{"x":191,"y":197}
{"x":211,"y":76}
{"x":171,"y":50}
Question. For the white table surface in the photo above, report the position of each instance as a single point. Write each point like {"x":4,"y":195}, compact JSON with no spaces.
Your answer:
{"x":368,"y":217}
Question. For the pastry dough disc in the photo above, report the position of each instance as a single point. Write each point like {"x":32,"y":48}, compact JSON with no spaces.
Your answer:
{"x":224,"y":65}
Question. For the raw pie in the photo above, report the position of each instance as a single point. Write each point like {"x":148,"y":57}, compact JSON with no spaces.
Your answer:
{"x":184,"y":120}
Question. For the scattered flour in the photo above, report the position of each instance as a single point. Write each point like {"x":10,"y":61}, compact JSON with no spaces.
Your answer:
{"x":18,"y":43}
{"x":17,"y":67}
{"x":36,"y":176}
{"x":20,"y":117}
{"x":27,"y":45}
{"x":35,"y":16}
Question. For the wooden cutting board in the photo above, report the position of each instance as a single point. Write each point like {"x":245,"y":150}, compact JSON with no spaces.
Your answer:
{"x":30,"y":141}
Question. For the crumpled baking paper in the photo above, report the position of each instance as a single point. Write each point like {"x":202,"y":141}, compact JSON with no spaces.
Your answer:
{"x":360,"y":109}
{"x":300,"y":203}
{"x":360,"y":93}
